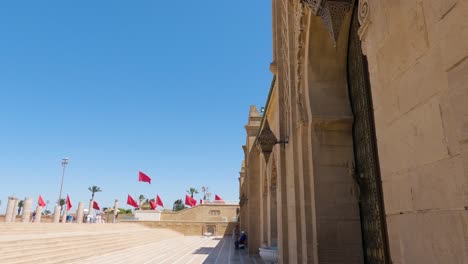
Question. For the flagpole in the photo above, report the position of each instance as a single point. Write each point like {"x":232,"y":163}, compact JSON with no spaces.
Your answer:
{"x":64,"y":165}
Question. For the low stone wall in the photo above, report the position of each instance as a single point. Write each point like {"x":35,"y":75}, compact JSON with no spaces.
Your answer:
{"x":203,"y":213}
{"x":192,"y":228}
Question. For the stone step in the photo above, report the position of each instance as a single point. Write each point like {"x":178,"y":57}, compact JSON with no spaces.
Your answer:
{"x":20,"y":239}
{"x":65,"y":241}
{"x":153,"y":253}
{"x":32,"y":227}
{"x":76,"y":251}
{"x":134,"y":252}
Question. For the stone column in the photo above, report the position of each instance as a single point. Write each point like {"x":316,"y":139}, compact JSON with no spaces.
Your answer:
{"x":80,"y":213}
{"x":90,"y":210}
{"x":116,"y":210}
{"x":64,"y":216}
{"x":10,"y":209}
{"x":27,"y":206}
{"x":57,"y":214}
{"x":15,"y":210}
{"x":255,"y":191}
{"x":37,"y":218}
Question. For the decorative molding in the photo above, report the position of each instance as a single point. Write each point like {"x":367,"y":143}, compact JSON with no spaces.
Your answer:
{"x":332,"y":13}
{"x":299,"y":30}
{"x":265,"y":185}
{"x":284,"y":64}
{"x":363,"y":16}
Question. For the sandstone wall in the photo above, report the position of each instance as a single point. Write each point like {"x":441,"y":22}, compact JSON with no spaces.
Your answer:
{"x":417,"y":52}
{"x":203,"y":212}
{"x":192,"y":228}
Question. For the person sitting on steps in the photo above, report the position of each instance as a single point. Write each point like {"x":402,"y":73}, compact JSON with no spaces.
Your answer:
{"x":242,"y":240}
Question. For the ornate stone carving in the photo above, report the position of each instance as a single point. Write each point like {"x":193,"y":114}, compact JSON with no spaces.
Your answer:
{"x":363,"y":16}
{"x":332,"y":13}
{"x":313,"y":4}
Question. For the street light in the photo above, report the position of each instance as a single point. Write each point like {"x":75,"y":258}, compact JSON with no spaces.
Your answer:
{"x":64,"y":165}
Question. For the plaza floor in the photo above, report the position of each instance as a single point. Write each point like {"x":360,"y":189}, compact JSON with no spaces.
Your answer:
{"x":108,"y":243}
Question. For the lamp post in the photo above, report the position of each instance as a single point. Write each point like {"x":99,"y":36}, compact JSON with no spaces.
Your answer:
{"x":64,"y":165}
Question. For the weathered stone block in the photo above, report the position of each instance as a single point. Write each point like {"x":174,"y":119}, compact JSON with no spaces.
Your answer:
{"x":397,"y":195}
{"x":421,"y":81}
{"x":407,"y":40}
{"x":431,"y":237}
{"x":414,"y":139}
{"x":453,"y":34}
{"x":458,"y":96}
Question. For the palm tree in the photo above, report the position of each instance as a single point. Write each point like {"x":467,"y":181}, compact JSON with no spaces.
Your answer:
{"x":62,"y":202}
{"x":192,"y":191}
{"x":94,"y":189}
{"x":178,"y":205}
{"x":20,"y":205}
{"x":141,"y":198}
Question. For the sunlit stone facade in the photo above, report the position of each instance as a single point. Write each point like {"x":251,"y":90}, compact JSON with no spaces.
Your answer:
{"x":361,"y":154}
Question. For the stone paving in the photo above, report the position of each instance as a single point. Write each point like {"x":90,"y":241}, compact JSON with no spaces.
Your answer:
{"x":110,"y":243}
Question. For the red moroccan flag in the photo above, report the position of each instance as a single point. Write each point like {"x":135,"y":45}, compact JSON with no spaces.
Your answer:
{"x":218,"y":198}
{"x":131,"y":202}
{"x":96,"y":205}
{"x":159,"y":201}
{"x":41,"y":202}
{"x":153,"y":205}
{"x":143,"y":177}
{"x":194,"y":202}
{"x":69,"y":204}
{"x":190,"y":201}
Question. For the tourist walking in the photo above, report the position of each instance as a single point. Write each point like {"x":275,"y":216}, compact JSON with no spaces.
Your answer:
{"x":33,"y":216}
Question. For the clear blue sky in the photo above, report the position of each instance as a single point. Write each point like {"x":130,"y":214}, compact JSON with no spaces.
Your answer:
{"x":121,"y":86}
